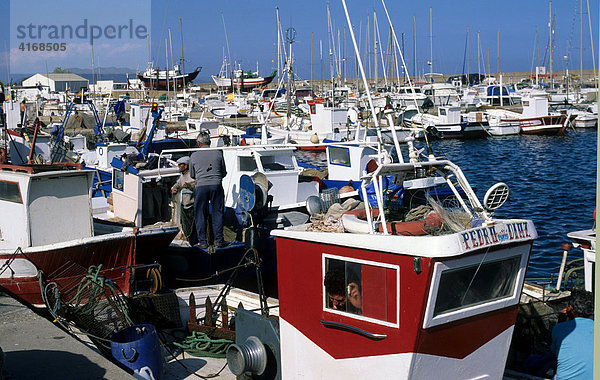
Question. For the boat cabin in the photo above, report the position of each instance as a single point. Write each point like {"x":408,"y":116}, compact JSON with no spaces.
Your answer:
{"x":347,"y":162}
{"x":449,"y":115}
{"x":535,"y":106}
{"x":140,"y":117}
{"x":143,"y":197}
{"x":43,"y":207}
{"x":278,"y":165}
{"x":326,"y":119}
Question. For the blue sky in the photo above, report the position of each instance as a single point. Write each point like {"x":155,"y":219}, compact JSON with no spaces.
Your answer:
{"x":251,"y":31}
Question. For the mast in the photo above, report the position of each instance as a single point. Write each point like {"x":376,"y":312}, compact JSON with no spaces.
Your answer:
{"x":381,"y":56}
{"x":468,"y":60}
{"x":537,"y":43}
{"x":580,"y":42}
{"x":375,"y":43}
{"x":404,"y":73}
{"x":362,"y":72}
{"x":488,"y":61}
{"x":414,"y":46}
{"x":331,"y":45}
{"x":551,"y":48}
{"x":478,"y":58}
{"x":93,"y":72}
{"x":182,"y":61}
{"x":321,"y":55}
{"x":498,"y":52}
{"x":174,"y":74}
{"x":167,"y":71}
{"x":312,"y":42}
{"x":431,"y":40}
{"x":279,"y":62}
{"x":592,"y":43}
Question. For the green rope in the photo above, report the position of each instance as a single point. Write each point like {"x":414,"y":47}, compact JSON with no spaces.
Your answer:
{"x":199,"y":344}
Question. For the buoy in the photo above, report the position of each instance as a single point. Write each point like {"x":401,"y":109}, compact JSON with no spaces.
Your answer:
{"x":347,"y":189}
{"x":314,"y":139}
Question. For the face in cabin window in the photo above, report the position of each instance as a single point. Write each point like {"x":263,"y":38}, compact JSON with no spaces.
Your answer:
{"x":343,"y":287}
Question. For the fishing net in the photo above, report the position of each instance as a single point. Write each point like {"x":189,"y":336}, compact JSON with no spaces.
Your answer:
{"x":92,"y":303}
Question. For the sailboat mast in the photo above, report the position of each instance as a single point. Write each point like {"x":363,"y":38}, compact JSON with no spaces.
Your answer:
{"x":375,"y":43}
{"x":167,"y":71}
{"x":580,"y":42}
{"x":468,"y":60}
{"x":498,"y":51}
{"x":431,"y":40}
{"x":279,"y":60}
{"x":478,"y":58}
{"x":93,"y":72}
{"x":182,"y":61}
{"x":172,"y":65}
{"x":551,"y":47}
{"x":312,"y":42}
{"x":414,"y":45}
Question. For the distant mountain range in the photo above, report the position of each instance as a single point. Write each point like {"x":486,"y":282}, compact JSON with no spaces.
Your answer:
{"x":102,"y":70}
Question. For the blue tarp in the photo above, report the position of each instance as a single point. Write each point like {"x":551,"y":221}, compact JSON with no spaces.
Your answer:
{"x":495,"y":91}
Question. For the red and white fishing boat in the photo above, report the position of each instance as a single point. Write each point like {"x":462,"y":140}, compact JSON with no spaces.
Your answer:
{"x":244,"y":80}
{"x":47,"y":233}
{"x":435,"y":297}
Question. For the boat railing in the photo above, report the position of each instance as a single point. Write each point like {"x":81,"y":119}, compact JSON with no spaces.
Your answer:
{"x":376,"y":178}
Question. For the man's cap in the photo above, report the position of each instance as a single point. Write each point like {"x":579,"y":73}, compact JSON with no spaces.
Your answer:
{"x":184,"y":160}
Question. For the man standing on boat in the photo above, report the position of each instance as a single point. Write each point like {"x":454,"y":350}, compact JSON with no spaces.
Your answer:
{"x":207,"y":167}
{"x":186,"y":185}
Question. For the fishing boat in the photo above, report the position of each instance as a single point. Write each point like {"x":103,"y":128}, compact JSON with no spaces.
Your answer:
{"x":156,"y":79}
{"x":243,"y":80}
{"x":48,"y":233}
{"x":446,"y":124}
{"x":443,"y":287}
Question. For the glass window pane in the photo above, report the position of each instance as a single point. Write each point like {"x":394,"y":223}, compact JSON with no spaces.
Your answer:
{"x":339,"y":156}
{"x":9,"y":191}
{"x":361,"y":289}
{"x":277,"y":162}
{"x":476,"y":284}
{"x":247,"y":164}
{"x":118,"y":179}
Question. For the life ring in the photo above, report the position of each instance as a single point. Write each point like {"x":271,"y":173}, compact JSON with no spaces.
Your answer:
{"x":355,"y":221}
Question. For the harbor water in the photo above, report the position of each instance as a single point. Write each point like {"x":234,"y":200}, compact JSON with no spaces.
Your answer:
{"x":552,"y":181}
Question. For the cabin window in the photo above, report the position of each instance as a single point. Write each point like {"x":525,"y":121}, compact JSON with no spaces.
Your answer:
{"x":192,"y":126}
{"x":247,"y":164}
{"x":442,"y":112}
{"x":132,"y":111}
{"x":362,"y":289}
{"x":313,"y":109}
{"x":118,"y":180}
{"x":339,"y":156}
{"x":274,"y":163}
{"x":525,"y":103}
{"x":476,"y":284}
{"x":9,"y":191}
